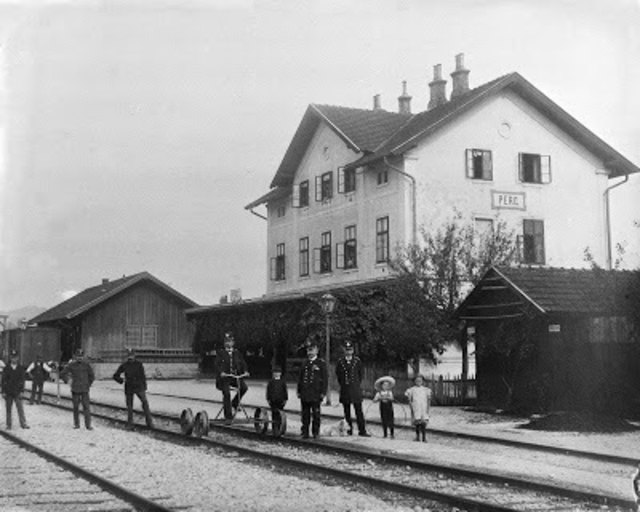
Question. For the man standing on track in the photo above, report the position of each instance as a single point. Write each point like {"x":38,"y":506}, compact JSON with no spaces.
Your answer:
{"x":13,"y":378}
{"x":135,"y":383}
{"x":82,"y":377}
{"x":231,"y":370}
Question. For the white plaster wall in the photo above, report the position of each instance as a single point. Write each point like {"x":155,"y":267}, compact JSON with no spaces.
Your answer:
{"x":571,"y":206}
{"x":362,"y":208}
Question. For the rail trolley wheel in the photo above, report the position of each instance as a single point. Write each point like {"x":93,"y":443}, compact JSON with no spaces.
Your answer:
{"x":261,"y":420}
{"x":186,"y":422}
{"x":279,"y":428}
{"x":201,"y":424}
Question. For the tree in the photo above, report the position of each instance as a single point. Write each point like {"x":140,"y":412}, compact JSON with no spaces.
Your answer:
{"x":447,"y":263}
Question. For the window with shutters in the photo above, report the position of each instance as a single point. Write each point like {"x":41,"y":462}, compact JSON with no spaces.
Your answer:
{"x":531,"y":242}
{"x":325,"y":252}
{"x":534,"y":168}
{"x":479,"y":164}
{"x":303,"y":255}
{"x":382,"y":240}
{"x":300,"y":196}
{"x":278,"y":264}
{"x":346,"y":181}
{"x":350,"y":247}
{"x":324,"y":186}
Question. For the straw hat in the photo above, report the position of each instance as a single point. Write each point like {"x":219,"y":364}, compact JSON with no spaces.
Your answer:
{"x":386,"y":378}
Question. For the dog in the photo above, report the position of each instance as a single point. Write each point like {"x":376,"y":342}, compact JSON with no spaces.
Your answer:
{"x":338,"y":429}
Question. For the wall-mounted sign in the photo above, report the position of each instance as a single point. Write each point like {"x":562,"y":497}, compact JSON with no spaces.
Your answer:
{"x":507,"y":200}
{"x":554,"y":327}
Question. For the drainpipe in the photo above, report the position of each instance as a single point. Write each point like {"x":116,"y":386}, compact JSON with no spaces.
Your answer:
{"x":413,"y":197}
{"x":607,"y":216}
{"x":258,"y":214}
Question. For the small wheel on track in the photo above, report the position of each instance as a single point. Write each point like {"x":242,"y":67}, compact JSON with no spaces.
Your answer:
{"x":186,"y":422}
{"x":201,"y":424}
{"x":279,"y":427}
{"x":261,"y":420}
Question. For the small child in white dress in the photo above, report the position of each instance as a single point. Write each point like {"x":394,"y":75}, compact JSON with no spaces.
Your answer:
{"x":420,"y":401}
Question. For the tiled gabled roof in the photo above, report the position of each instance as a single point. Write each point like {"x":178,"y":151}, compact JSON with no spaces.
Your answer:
{"x":557,"y":290}
{"x":91,"y":297}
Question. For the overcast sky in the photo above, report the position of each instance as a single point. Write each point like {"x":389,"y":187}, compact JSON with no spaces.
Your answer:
{"x":133,"y":133}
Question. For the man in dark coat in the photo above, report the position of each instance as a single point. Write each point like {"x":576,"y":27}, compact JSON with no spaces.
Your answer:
{"x":135,"y":383}
{"x":39,"y":372}
{"x":13,"y":378}
{"x":349,"y":373}
{"x":312,"y":388}
{"x":231,"y":370}
{"x":82,"y":377}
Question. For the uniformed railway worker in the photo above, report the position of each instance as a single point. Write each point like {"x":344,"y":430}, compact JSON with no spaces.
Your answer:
{"x":349,"y":373}
{"x":13,"y":377}
{"x":39,"y":372}
{"x":231,"y":369}
{"x":82,"y":378}
{"x":312,"y":388}
{"x":135,"y":383}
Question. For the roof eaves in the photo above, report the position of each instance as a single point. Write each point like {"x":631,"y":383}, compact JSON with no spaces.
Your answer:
{"x":274,"y":193}
{"x":334,"y":127}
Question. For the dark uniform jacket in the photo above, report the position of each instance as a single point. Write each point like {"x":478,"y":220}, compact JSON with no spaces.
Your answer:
{"x":38,"y":373}
{"x":277,"y":391}
{"x":233,"y":364}
{"x":13,"y":380}
{"x":81,"y":376}
{"x":349,"y":375}
{"x":135,"y":379}
{"x":313,"y":380}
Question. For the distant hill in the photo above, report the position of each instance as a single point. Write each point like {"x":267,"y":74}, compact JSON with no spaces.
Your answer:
{"x":16,"y":315}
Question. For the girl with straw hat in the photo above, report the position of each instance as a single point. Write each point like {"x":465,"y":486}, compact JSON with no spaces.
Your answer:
{"x":384,"y":387}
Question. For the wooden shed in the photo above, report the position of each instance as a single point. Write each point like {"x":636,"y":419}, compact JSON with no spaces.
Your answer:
{"x":554,"y":338}
{"x":137,"y":311}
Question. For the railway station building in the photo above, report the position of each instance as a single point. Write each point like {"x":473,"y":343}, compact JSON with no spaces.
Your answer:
{"x":355,"y":183}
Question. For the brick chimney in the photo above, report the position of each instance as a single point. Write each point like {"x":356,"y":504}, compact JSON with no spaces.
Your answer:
{"x":459,"y":78}
{"x":404,"y":100}
{"x":376,"y":102}
{"x":437,"y":88}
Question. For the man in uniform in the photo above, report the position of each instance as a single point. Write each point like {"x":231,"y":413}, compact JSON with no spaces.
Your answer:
{"x":312,"y":388}
{"x":82,"y":377}
{"x":13,"y":378}
{"x":231,"y":370}
{"x":135,"y":383}
{"x":349,"y":373}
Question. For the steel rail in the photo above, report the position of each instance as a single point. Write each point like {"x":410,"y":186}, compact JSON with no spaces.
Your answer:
{"x":139,"y":502}
{"x":566,"y":492}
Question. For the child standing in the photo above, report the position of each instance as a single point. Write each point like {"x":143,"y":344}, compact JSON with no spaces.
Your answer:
{"x":277,"y":394}
{"x":384,"y":387}
{"x":420,"y":402}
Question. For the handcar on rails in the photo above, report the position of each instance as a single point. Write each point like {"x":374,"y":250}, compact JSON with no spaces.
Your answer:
{"x":199,"y":424}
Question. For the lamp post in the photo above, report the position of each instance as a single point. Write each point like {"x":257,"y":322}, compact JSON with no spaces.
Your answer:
{"x":328,"y":303}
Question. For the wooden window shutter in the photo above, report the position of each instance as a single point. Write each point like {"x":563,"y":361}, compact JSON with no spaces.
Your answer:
{"x":487,"y":165}
{"x":545,"y":169}
{"x":340,"y":255}
{"x":295,"y":198}
{"x":316,"y":260}
{"x":469,"y":158}
{"x":272,"y":271}
{"x":341,"y":181}
{"x":521,"y":167}
{"x":318,"y":188}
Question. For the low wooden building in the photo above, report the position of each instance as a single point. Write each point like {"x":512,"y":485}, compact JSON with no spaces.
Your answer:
{"x":554,"y":338}
{"x":137,"y":311}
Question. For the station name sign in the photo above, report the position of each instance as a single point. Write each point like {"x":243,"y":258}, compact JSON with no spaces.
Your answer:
{"x":507,"y":200}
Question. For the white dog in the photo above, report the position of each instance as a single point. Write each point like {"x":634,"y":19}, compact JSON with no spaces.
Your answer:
{"x":337,"y":429}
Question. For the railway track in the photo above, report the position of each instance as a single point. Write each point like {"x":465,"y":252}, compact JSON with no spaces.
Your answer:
{"x":466,"y":489}
{"x":35,"y":479}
